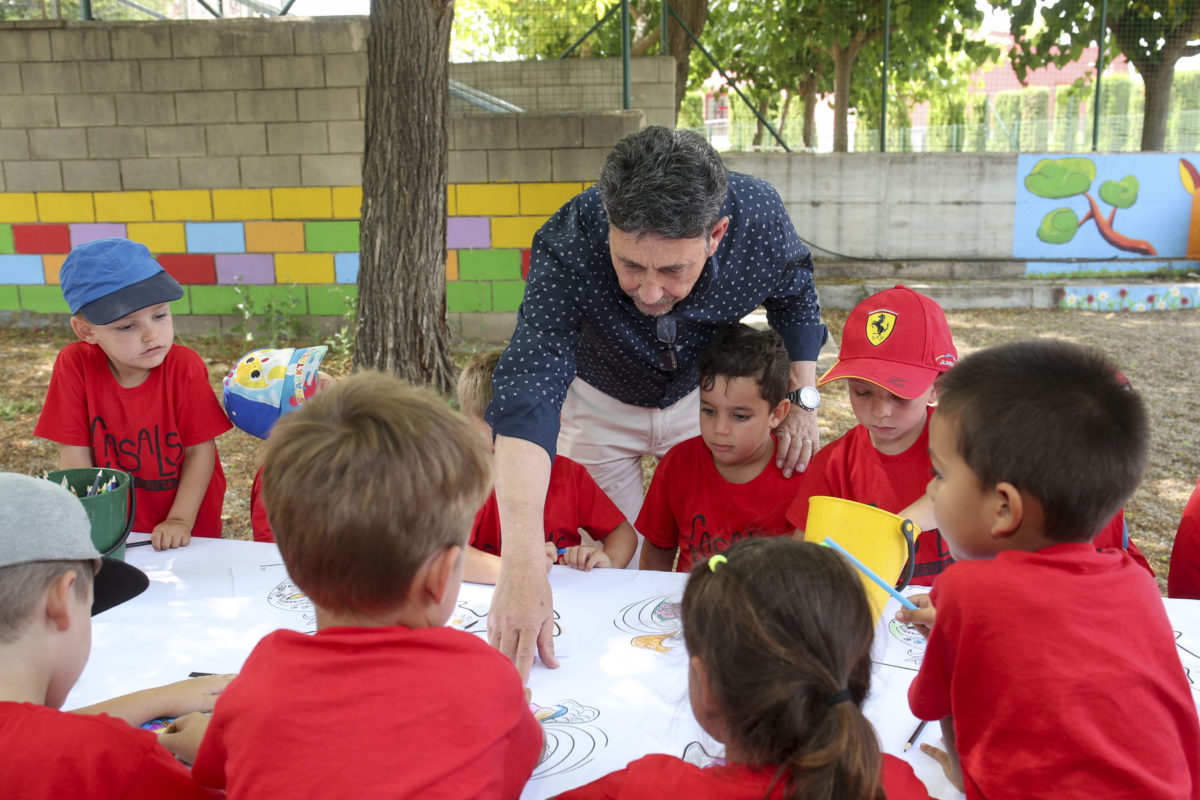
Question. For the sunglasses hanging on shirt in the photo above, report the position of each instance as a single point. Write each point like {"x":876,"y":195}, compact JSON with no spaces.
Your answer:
{"x":668,"y":360}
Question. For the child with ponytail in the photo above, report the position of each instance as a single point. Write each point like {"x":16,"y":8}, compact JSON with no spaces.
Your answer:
{"x":779,"y":636}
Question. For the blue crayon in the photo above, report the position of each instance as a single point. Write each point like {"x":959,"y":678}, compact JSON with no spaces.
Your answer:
{"x":865,"y":570}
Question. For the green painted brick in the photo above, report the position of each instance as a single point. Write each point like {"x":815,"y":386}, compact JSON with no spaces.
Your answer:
{"x":10,"y":298}
{"x":6,"y":240}
{"x":43,"y":299}
{"x":468,"y":296}
{"x":214,"y":299}
{"x":288,"y":299}
{"x":489,"y":265}
{"x":331,"y":300}
{"x":331,"y":237}
{"x":182,"y":305}
{"x":507,"y":295}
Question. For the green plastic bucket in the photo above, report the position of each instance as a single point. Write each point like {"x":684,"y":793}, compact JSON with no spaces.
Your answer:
{"x":110,"y":513}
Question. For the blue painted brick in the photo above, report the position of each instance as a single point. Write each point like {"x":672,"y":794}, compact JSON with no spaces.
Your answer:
{"x":345,"y":267}
{"x":21,"y":269}
{"x":216,"y":237}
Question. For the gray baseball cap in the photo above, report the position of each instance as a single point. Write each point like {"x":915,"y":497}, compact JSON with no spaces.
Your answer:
{"x":42,"y":521}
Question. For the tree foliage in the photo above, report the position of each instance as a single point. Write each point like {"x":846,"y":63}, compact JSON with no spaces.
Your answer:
{"x":1152,"y":34}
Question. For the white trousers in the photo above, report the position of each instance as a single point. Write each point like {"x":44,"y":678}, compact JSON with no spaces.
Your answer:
{"x":609,"y":438}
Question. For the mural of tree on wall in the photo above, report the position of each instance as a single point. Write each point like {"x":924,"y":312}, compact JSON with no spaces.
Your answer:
{"x":1057,"y":178}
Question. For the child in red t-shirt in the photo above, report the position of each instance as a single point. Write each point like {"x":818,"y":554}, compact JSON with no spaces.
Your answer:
{"x":127,"y":397}
{"x":894,"y":346}
{"x":263,"y":385}
{"x":51,"y":581}
{"x":574,"y":501}
{"x":371,"y":486}
{"x":723,"y":485}
{"x":1183,"y":579}
{"x":779,"y":635}
{"x":1051,"y":664}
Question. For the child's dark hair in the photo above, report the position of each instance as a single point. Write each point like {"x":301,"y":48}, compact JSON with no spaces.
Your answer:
{"x":739,"y":351}
{"x":784,"y":631}
{"x":1054,"y":419}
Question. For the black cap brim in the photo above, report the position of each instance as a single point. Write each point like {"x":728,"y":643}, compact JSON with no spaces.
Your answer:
{"x":158,"y":288}
{"x":115,"y":583}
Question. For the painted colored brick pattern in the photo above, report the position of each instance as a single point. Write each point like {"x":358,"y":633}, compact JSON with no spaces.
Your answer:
{"x":295,"y":247}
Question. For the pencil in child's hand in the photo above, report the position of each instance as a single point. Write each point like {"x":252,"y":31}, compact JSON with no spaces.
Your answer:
{"x":865,"y":570}
{"x":915,"y":735}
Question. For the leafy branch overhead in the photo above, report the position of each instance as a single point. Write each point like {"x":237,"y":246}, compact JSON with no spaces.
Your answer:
{"x":1057,"y":178}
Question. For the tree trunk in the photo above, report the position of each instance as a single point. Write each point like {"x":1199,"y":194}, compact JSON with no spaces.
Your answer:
{"x":783,"y":112}
{"x":763,"y":107}
{"x":810,"y":110}
{"x":1158,"y":80}
{"x":401,"y":325}
{"x":694,"y":13}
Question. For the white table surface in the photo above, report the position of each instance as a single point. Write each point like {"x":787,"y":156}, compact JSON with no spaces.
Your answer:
{"x":608,"y":703}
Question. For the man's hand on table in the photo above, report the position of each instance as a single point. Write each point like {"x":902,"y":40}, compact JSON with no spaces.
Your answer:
{"x":521,"y":619}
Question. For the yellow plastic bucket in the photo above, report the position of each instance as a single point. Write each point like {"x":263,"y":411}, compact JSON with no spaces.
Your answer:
{"x":881,"y":540}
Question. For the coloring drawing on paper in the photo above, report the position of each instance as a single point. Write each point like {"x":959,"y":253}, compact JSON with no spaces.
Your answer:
{"x":652,"y":622}
{"x":695,"y":753}
{"x":903,"y":648}
{"x":1191,"y":663}
{"x":287,"y":596}
{"x":472,"y":618}
{"x":571,"y":740}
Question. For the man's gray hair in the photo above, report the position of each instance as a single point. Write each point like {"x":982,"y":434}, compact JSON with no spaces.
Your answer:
{"x":663,"y":181}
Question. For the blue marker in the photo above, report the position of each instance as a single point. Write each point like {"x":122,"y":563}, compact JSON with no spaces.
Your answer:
{"x":562,"y":551}
{"x":865,"y":570}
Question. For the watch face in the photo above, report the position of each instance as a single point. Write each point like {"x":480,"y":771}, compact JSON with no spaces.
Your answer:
{"x":810,"y":398}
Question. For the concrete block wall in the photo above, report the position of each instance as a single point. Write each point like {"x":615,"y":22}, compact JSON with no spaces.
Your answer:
{"x":233,"y":150}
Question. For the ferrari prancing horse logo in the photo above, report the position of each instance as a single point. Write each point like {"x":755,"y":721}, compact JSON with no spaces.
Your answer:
{"x":880,"y":325}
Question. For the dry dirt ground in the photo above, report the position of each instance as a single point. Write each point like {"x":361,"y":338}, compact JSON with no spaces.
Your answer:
{"x":1156,"y":350}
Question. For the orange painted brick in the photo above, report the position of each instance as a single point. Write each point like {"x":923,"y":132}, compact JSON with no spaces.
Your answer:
{"x":452,"y":265}
{"x":51,"y":264}
{"x":274,"y":237}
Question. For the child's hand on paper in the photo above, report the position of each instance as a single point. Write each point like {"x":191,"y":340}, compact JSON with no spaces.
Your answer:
{"x":921,"y":619}
{"x":584,"y":557}
{"x":182,"y":737}
{"x":193,"y":694}
{"x":551,"y":556}
{"x":170,"y":533}
{"x":948,"y":758}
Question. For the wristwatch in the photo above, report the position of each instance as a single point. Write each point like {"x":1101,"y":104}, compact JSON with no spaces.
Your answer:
{"x":807,"y":397}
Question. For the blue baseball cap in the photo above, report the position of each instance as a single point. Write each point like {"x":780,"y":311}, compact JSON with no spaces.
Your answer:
{"x":108,"y":278}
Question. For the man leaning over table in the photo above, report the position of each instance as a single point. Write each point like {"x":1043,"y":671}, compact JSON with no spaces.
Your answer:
{"x":627,"y":283}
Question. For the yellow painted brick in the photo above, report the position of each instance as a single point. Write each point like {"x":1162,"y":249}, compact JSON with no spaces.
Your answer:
{"x":452,"y":265}
{"x":304,"y":268}
{"x":241,"y":204}
{"x":347,"y":202}
{"x":310,"y":203}
{"x":65,"y":207}
{"x":124,"y":207}
{"x":546,"y":198}
{"x":515,"y":231}
{"x":51,"y":264}
{"x":18,"y":207}
{"x":160,"y":237}
{"x":187,"y":205}
{"x":450,"y":209}
{"x":487,"y":199}
{"x":274,"y":237}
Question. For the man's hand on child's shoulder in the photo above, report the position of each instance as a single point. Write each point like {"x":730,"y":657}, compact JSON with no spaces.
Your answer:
{"x":170,"y":533}
{"x":921,"y":619}
{"x":585,"y":557}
